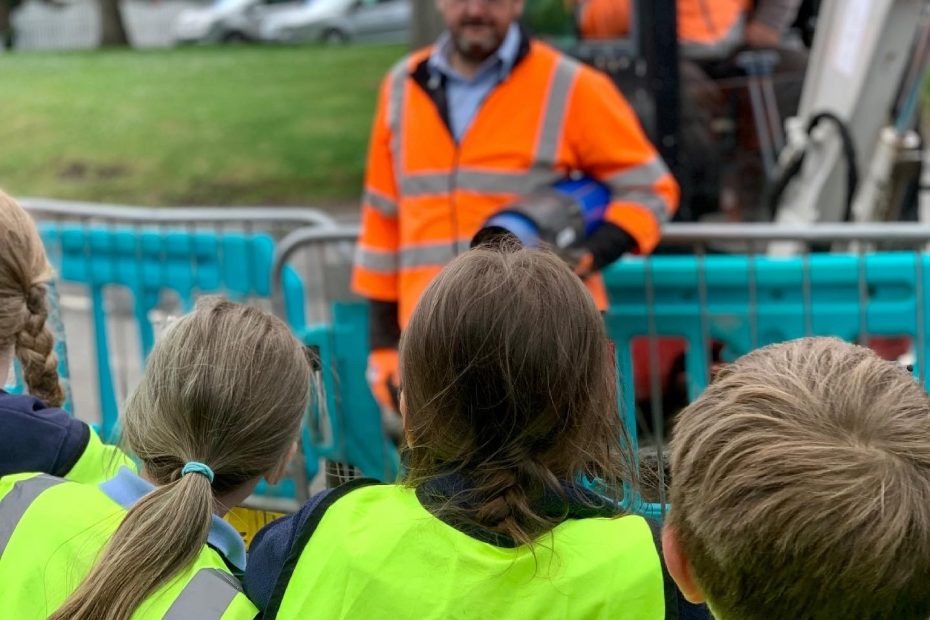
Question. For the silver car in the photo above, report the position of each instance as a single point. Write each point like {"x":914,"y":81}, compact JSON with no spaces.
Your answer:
{"x":340,"y":21}
{"x":226,"y":21}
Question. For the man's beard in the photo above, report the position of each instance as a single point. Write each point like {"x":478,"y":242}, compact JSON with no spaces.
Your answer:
{"x":477,"y":50}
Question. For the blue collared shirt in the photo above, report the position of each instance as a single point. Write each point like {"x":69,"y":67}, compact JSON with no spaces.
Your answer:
{"x":126,"y":488}
{"x":466,"y":95}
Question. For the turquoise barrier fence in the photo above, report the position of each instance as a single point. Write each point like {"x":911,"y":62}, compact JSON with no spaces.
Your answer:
{"x":123,"y":263}
{"x":348,"y":426}
{"x":732,"y":302}
{"x":735,"y":301}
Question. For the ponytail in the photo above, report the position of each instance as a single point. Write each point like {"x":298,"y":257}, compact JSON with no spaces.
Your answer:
{"x":219,"y":406}
{"x":35,"y":348}
{"x":161,"y":535}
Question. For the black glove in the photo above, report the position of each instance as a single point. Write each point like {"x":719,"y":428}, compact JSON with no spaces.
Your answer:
{"x":607,"y":244}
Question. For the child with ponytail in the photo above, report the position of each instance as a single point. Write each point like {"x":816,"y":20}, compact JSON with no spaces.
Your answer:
{"x":218,"y":409}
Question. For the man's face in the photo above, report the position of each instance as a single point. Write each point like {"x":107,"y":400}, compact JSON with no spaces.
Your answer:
{"x":478,"y":27}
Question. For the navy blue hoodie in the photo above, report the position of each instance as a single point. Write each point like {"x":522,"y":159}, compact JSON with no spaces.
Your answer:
{"x":36,"y":437}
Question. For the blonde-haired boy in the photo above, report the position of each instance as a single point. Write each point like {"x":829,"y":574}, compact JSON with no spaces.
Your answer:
{"x":800,"y":488}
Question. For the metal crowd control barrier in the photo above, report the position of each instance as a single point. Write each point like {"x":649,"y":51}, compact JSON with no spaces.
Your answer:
{"x":709,"y":300}
{"x":347,"y":424}
{"x":727,"y":295}
{"x":128,"y":269}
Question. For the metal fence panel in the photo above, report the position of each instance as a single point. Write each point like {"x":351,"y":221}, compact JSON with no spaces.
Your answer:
{"x":124,"y":272}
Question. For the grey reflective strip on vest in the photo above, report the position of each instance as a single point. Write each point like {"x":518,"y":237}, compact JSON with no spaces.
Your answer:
{"x":206,"y":597}
{"x":466,"y":179}
{"x":643,"y":176}
{"x":395,"y":113}
{"x":431,"y":255}
{"x":650,"y":200}
{"x":636,"y":185}
{"x":380,"y":203}
{"x":15,"y":503}
{"x":554,"y":115}
{"x":374,"y":260}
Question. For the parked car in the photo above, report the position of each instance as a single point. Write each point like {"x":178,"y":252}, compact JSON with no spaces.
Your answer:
{"x":340,"y":21}
{"x":226,"y":21}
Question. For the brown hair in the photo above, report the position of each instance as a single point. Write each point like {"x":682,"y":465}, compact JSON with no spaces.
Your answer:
{"x":24,"y":272}
{"x":509,"y":380}
{"x":800,"y":486}
{"x":227,"y":386}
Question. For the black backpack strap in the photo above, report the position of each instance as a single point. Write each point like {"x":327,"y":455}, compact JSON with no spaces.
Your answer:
{"x":303,"y":537}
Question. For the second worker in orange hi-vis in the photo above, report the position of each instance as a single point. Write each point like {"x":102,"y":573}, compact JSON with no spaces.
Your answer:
{"x":466,"y":127}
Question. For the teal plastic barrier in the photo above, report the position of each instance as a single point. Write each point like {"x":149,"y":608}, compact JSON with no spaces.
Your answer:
{"x":742,"y":302}
{"x":349,"y":430}
{"x":148,"y":263}
{"x":747,"y":302}
{"x":848,"y":297}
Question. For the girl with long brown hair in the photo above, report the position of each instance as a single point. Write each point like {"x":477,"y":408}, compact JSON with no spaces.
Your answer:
{"x":509,"y":398}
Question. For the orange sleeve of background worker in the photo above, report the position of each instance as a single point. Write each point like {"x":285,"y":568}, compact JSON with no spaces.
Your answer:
{"x":604,"y":19}
{"x":610,"y":145}
{"x":374,"y":274}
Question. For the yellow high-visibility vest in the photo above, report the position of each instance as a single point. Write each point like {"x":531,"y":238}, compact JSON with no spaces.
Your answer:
{"x":51,"y":533}
{"x":376,"y":552}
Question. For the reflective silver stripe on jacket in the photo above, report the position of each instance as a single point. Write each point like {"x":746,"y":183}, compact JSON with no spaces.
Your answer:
{"x":15,"y":503}
{"x":375,"y":260}
{"x":479,"y":181}
{"x":431,"y":254}
{"x":206,"y":597}
{"x":553,"y":117}
{"x":636,"y":185}
{"x":380,"y":203}
{"x":650,"y":200}
{"x":395,"y":113}
{"x":643,"y":176}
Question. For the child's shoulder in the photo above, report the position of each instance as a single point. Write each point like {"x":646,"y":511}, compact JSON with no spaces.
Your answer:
{"x":36,"y":437}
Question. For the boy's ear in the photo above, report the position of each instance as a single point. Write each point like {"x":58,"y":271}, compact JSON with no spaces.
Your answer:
{"x":679,"y":567}
{"x":277,"y":474}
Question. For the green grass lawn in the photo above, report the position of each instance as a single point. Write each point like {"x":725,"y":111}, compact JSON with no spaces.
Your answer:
{"x":211,"y":126}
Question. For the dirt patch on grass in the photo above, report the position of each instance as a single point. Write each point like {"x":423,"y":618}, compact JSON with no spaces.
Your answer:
{"x":77,"y":170}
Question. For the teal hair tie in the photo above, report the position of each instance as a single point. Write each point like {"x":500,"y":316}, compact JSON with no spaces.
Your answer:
{"x":193,"y":467}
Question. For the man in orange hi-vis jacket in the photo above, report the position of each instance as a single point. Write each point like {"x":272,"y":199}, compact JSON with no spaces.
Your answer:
{"x":466,"y":127}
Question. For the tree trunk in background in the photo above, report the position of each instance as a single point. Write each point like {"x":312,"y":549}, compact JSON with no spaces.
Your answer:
{"x":112,"y":28}
{"x":6,"y":25}
{"x":426,"y":25}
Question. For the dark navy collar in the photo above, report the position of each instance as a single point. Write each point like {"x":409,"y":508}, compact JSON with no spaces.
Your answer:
{"x":126,"y":488}
{"x":575,"y":502}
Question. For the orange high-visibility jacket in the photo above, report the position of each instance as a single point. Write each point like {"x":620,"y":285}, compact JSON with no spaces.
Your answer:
{"x":426,"y":195}
{"x":706,"y":28}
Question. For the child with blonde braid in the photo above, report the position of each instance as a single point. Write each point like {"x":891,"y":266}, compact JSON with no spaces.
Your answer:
{"x":35,"y":433}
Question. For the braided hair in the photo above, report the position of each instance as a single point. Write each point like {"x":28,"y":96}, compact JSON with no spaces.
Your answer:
{"x":24,"y":272}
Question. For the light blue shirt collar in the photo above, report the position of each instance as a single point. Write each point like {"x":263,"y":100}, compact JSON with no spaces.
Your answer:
{"x":503,"y":59}
{"x":126,"y":488}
